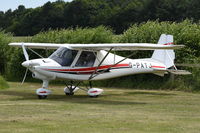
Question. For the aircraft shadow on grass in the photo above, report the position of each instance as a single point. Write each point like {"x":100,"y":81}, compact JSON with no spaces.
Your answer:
{"x":150,"y":93}
{"x":84,"y":99}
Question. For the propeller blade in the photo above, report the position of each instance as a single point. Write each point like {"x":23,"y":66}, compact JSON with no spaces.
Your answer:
{"x":25,"y":76}
{"x":25,"y":52}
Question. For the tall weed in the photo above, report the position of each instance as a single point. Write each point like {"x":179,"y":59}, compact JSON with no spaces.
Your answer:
{"x":3,"y":83}
{"x":5,"y":38}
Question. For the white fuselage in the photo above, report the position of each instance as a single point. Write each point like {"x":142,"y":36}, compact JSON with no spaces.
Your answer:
{"x":48,"y":69}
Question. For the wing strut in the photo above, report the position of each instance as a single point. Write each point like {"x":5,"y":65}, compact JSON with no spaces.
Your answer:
{"x":35,"y":53}
{"x":92,"y":76}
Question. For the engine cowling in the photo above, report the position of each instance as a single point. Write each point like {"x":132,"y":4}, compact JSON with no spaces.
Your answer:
{"x":38,"y":76}
{"x":42,"y":77}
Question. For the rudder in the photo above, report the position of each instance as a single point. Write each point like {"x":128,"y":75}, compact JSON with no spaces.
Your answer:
{"x":165,"y":56}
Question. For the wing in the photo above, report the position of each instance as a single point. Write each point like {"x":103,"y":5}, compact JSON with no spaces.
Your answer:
{"x":96,"y":47}
{"x":123,"y":46}
{"x":37,"y":45}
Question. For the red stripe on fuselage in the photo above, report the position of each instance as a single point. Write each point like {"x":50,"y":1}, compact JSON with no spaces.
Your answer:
{"x":157,"y":66}
{"x":90,"y":68}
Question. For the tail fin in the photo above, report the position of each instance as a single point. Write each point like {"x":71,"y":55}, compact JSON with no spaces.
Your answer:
{"x":165,"y":56}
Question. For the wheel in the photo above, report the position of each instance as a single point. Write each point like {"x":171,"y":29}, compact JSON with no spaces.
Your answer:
{"x":42,"y":96}
{"x":70,"y":90}
{"x":69,"y":94}
{"x":94,"y":96}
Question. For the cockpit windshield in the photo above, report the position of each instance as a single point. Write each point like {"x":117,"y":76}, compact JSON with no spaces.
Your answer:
{"x":64,"y":56}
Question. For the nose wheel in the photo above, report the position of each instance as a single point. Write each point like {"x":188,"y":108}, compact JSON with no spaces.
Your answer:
{"x":43,"y":92}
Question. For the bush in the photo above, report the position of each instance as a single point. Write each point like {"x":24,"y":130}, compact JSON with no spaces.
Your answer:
{"x":3,"y":83}
{"x":5,"y":38}
{"x":185,"y":32}
{"x":100,"y":34}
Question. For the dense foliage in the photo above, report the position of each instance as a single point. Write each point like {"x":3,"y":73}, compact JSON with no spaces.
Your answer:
{"x":186,"y":33}
{"x":116,"y":14}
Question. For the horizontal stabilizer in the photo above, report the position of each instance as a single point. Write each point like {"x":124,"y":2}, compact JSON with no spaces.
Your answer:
{"x":160,"y":74}
{"x":179,"y":72}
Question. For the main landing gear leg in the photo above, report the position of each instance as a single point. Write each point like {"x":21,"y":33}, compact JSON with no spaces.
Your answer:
{"x":43,"y":92}
{"x":90,"y":83}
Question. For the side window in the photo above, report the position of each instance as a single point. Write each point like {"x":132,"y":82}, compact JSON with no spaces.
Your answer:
{"x":64,"y":56}
{"x":68,"y":57}
{"x":86,"y":59}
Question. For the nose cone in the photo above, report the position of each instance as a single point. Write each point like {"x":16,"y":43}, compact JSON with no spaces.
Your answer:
{"x":26,"y":63}
{"x":30,"y":63}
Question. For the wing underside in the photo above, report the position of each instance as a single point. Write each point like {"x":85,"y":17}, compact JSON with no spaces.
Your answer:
{"x":97,"y":47}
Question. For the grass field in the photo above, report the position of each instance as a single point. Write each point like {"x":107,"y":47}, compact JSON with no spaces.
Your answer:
{"x":117,"y":111}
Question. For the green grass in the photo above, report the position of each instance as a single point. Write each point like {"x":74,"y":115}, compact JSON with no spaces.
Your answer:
{"x":117,"y":111}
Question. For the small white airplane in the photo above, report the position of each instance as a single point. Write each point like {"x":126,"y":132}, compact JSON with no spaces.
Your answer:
{"x":80,"y":62}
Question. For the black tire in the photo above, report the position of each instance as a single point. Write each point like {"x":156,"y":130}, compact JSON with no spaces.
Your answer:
{"x":42,"y":96}
{"x":94,"y":96}
{"x":69,"y":94}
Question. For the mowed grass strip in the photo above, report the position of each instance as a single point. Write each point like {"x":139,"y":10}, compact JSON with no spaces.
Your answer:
{"x":116,"y":111}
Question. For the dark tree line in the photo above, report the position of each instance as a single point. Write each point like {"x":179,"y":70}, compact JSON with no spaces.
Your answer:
{"x":116,"y":14}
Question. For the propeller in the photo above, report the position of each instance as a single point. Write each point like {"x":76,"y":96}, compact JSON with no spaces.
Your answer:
{"x":24,"y":76}
{"x":25,"y":52}
{"x":27,"y":59}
